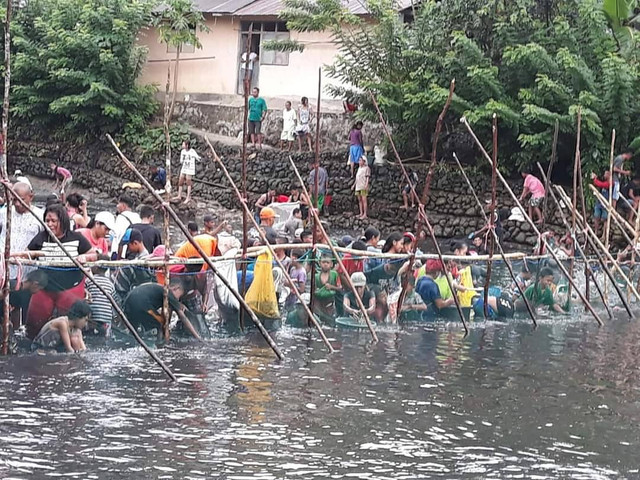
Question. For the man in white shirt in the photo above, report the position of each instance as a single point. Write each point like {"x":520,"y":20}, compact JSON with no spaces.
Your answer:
{"x":125,"y":218}
{"x":24,"y":225}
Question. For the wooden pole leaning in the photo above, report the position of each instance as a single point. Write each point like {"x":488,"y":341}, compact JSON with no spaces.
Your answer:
{"x":245,"y":118}
{"x":532,"y":224}
{"x":565,"y":198}
{"x":6,"y":308}
{"x":552,"y":161}
{"x":582,"y":252}
{"x":421,"y":212}
{"x":198,"y":248}
{"x":576,"y":170}
{"x":492,"y":214}
{"x":318,"y":224}
{"x":622,"y":224}
{"x":316,"y":186}
{"x":88,"y":275}
{"x":427,"y":185}
{"x":263,"y":237}
{"x":495,"y":237}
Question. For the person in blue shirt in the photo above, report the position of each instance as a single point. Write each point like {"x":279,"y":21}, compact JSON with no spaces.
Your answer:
{"x":429,"y":291}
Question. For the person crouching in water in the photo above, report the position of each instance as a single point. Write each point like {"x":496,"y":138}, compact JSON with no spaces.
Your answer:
{"x":499,"y":306}
{"x":540,"y":293}
{"x":351,"y":307}
{"x":429,"y":291}
{"x":64,"y":334}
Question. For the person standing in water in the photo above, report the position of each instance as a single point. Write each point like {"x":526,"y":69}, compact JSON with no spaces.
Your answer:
{"x":188,"y":159}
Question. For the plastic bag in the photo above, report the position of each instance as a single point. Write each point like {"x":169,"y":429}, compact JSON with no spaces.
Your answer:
{"x":261,"y":296}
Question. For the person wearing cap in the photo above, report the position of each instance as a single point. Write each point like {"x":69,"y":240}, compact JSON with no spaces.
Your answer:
{"x":98,"y":231}
{"x":359,"y":281}
{"x":267,"y":220}
{"x":429,"y":291}
{"x":24,"y":226}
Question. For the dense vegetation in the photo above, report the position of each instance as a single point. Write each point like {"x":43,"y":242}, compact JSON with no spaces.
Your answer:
{"x":530,"y":61}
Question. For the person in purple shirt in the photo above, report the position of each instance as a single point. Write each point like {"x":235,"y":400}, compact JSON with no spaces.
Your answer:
{"x":356,"y":149}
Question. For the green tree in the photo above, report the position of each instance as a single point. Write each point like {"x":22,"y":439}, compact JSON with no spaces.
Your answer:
{"x":531,"y":62}
{"x":75,"y":65}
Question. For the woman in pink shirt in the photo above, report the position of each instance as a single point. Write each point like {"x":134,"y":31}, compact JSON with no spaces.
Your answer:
{"x":98,"y":231}
{"x":534,"y":187}
{"x":64,"y":175}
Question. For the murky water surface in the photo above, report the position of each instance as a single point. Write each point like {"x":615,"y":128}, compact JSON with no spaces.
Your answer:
{"x":424,"y":402}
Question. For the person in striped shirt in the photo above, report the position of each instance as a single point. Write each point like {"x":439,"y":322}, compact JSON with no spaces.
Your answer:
{"x":101,"y":308}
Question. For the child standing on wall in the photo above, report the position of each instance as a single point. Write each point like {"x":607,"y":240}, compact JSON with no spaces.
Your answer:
{"x":188,"y":159}
{"x":361,"y":186}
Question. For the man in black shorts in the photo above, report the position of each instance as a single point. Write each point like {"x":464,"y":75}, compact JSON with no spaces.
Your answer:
{"x":257,"y":112}
{"x":143,"y":307}
{"x":499,"y":307}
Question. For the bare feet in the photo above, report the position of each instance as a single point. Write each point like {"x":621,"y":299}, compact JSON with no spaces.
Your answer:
{"x":187,"y":200}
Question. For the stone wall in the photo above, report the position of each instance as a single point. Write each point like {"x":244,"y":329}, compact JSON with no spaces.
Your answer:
{"x":451,"y":207}
{"x":227,"y":121}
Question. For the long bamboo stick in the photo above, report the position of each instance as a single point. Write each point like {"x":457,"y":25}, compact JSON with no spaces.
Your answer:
{"x":581,"y":251}
{"x":263,"y":237}
{"x":316,"y":186}
{"x":165,"y":216}
{"x":492,"y":215}
{"x":495,"y":237}
{"x":335,"y":254}
{"x":576,"y":167}
{"x":607,"y":226}
{"x":421,"y":213}
{"x":552,"y":161}
{"x":245,"y":118}
{"x":427,"y":186}
{"x":567,"y":200}
{"x":6,"y":307}
{"x":88,"y":275}
{"x":198,"y":248}
{"x":532,"y":223}
{"x":622,"y":224}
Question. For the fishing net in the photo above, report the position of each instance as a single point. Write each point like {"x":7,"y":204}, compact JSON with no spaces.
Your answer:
{"x":261,"y":296}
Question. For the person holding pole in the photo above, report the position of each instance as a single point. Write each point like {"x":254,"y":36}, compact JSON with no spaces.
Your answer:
{"x":618,"y":169}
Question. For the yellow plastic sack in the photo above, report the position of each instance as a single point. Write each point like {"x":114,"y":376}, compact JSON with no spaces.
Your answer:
{"x":466,"y":280}
{"x":261,"y":296}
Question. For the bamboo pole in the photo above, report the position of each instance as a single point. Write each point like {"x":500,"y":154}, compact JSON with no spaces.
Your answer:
{"x":495,"y":236}
{"x":88,"y":275}
{"x":263,"y":237}
{"x":636,"y":237}
{"x":165,"y":216}
{"x":335,"y":254}
{"x":622,"y":224}
{"x":567,"y":200}
{"x":492,"y":214}
{"x":607,"y":226}
{"x":581,"y":251}
{"x":198,"y":248}
{"x":554,"y":152}
{"x":6,"y":287}
{"x":316,"y":186}
{"x":427,"y":186}
{"x":532,"y":223}
{"x":576,"y":167}
{"x":245,"y":118}
{"x":421,"y":213}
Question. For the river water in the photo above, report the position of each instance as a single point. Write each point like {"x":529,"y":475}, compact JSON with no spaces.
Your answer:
{"x":507,"y":401}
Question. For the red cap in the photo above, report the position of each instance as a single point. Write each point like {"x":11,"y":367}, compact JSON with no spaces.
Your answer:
{"x":433,"y":265}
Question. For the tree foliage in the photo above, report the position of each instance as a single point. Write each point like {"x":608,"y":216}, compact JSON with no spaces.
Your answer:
{"x":532,"y":62}
{"x":75,"y":65}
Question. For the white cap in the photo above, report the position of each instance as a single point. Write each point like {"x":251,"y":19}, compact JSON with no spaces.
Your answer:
{"x":516,"y":214}
{"x":358,"y":279}
{"x":107,"y":218}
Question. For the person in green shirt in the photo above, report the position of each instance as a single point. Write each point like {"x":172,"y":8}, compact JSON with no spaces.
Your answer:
{"x":257,"y":111}
{"x":540,"y":293}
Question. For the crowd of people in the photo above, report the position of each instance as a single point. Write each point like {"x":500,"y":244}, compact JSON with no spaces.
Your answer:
{"x":55,"y":304}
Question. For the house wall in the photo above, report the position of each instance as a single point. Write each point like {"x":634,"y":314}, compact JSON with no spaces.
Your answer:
{"x":214,"y":69}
